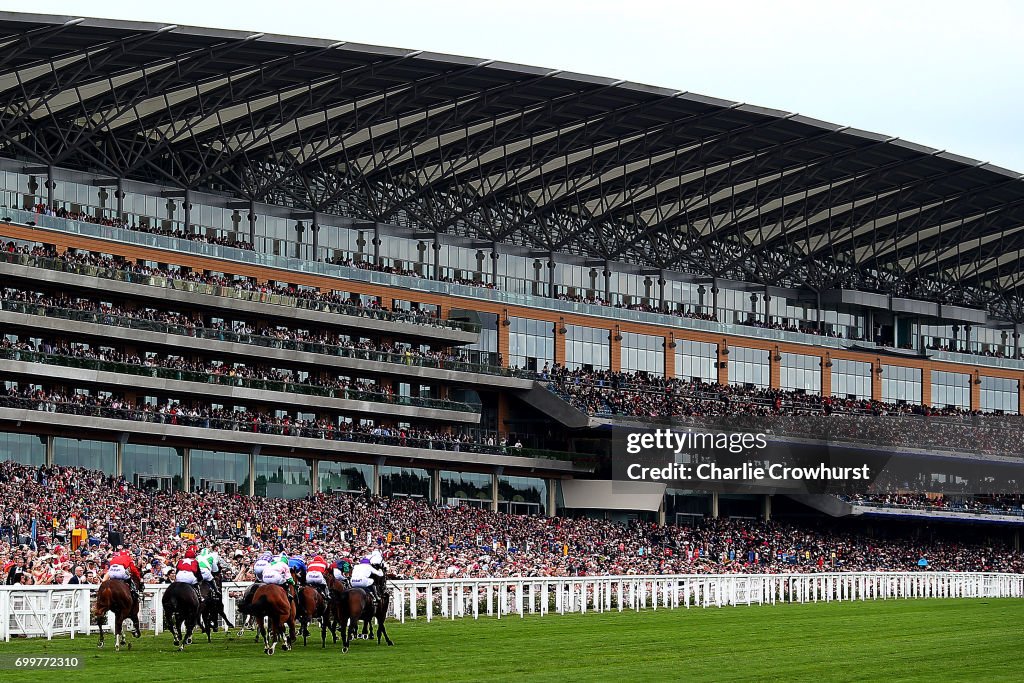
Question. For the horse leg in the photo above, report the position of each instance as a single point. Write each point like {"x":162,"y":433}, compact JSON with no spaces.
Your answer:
{"x":118,"y":621}
{"x":323,"y":631}
{"x":224,"y":616}
{"x":100,"y":619}
{"x":268,"y":645}
{"x":382,"y":631}
{"x":137,"y":632}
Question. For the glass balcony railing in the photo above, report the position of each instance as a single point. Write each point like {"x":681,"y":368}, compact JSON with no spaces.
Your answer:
{"x":297,"y":388}
{"x":441,"y":442}
{"x":231,"y":292}
{"x":142,"y":324}
{"x":972,"y":352}
{"x":416,"y":284}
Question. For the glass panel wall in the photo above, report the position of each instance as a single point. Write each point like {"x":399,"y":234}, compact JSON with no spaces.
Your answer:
{"x":412,"y":482}
{"x":278,"y":477}
{"x":851,"y":378}
{"x":92,"y":455}
{"x":470,"y":488}
{"x":951,"y":389}
{"x":153,"y":467}
{"x":531,"y":344}
{"x":999,"y":394}
{"x":344,"y":477}
{"x":643,"y":353}
{"x":800,"y":372}
{"x":696,"y":360}
{"x":749,"y":366}
{"x":218,"y":471}
{"x":522,"y":495}
{"x":900,"y":383}
{"x":26,"y":449}
{"x":587,"y":348}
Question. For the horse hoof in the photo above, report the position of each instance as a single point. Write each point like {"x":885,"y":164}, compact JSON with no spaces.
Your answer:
{"x":344,"y":649}
{"x":128,"y":644}
{"x":99,"y":645}
{"x":181,"y":648}
{"x":188,"y":641}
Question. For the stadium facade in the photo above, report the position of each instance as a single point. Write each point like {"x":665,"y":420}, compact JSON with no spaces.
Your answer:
{"x":466,"y":224}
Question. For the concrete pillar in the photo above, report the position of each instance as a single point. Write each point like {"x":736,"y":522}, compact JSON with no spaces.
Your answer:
{"x":767,"y":510}
{"x":1016,"y":540}
{"x":670,"y":356}
{"x":119,"y":196}
{"x":552,"y":497}
{"x":876,"y":380}
{"x":775,"y":368}
{"x":376,"y":244}
{"x":435,"y":486}
{"x":314,"y":476}
{"x":494,"y":492}
{"x":551,"y":276}
{"x":494,"y":264}
{"x":252,"y":470}
{"x":662,"y":304}
{"x":50,"y":187}
{"x":714,"y":299}
{"x":661,"y":512}
{"x":375,"y":484}
{"x":714,"y":505}
{"x":503,"y":340}
{"x":122,"y":439}
{"x":723,"y":363}
{"x":186,"y":467}
{"x":615,"y":349}
{"x":926,"y":386}
{"x":48,"y":456}
{"x":607,"y":281}
{"x":975,"y":380}
{"x":436,"y":245}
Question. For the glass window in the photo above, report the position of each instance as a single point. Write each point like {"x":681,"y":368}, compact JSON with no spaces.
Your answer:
{"x":900,"y":383}
{"x":339,"y":477}
{"x":696,"y":360}
{"x":851,"y":378}
{"x":278,"y":477}
{"x":643,"y":353}
{"x":153,"y":467}
{"x":951,"y":389}
{"x":587,"y":348}
{"x":411,"y":482}
{"x":472,"y":488}
{"x":522,"y":495}
{"x":26,"y":449}
{"x":217,"y":471}
{"x":531,"y":343}
{"x":749,"y":366}
{"x":800,"y":372}
{"x":999,"y":394}
{"x":92,"y":455}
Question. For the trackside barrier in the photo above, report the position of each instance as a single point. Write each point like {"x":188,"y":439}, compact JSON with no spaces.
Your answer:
{"x":47,"y":611}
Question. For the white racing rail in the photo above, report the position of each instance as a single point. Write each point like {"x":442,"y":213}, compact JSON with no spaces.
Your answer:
{"x":47,"y":611}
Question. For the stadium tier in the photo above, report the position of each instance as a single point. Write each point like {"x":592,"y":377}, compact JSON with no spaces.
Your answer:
{"x":238,"y":264}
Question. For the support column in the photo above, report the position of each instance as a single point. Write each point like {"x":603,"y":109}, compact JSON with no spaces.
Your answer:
{"x":494,"y":491}
{"x":767,"y":509}
{"x":661,"y":511}
{"x":714,"y":299}
{"x":187,"y":205}
{"x":975,"y":380}
{"x":615,"y":350}
{"x":494,"y":264}
{"x":607,"y":282}
{"x":186,"y":467}
{"x":551,"y":276}
{"x":552,"y":498}
{"x":437,"y":258}
{"x":252,"y":223}
{"x":723,"y":363}
{"x":119,"y":196}
{"x":122,"y":439}
{"x":560,"y":331}
{"x":714,"y":505}
{"x":252,"y":469}
{"x":876,"y":380}
{"x":376,"y":244}
{"x":775,"y":369}
{"x":314,"y":476}
{"x":316,"y":236}
{"x":48,"y":456}
{"x":1020,"y":397}
{"x":825,"y":365}
{"x":662,"y":304}
{"x":50,"y":186}
{"x":375,"y":484}
{"x":670,"y":356}
{"x":503,"y":340}
{"x":926,"y":387}
{"x":435,"y":486}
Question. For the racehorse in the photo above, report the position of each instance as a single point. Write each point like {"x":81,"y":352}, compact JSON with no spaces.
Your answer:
{"x":272,"y":601}
{"x":181,"y":606}
{"x":311,"y":606}
{"x":213,"y":608}
{"x":115,"y":596}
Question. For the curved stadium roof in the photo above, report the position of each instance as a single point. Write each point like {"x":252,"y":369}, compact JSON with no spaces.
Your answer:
{"x":501,"y":152}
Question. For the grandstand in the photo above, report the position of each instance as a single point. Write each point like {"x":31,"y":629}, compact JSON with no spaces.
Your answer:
{"x":280,"y":267}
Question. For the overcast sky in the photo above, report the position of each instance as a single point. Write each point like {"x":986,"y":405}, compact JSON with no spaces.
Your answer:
{"x":944,"y":74}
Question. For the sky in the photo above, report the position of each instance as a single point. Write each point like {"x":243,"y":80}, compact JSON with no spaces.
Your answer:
{"x":943,"y":74}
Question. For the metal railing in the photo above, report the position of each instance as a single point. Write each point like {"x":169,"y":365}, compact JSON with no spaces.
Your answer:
{"x":298,"y":388}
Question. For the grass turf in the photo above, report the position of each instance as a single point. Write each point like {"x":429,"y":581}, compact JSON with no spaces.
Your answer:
{"x":885,"y":640}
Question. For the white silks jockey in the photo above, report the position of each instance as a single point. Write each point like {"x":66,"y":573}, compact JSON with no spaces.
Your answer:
{"x":363,"y":573}
{"x":277,"y":572}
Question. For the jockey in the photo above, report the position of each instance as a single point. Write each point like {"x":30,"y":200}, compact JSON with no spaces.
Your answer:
{"x":363,"y":576}
{"x":209,"y":564}
{"x":297,"y":563}
{"x":188,"y":569}
{"x":277,"y":572}
{"x":342,"y":569}
{"x":315,"y":575}
{"x":262,"y":562}
{"x":122,"y":567}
